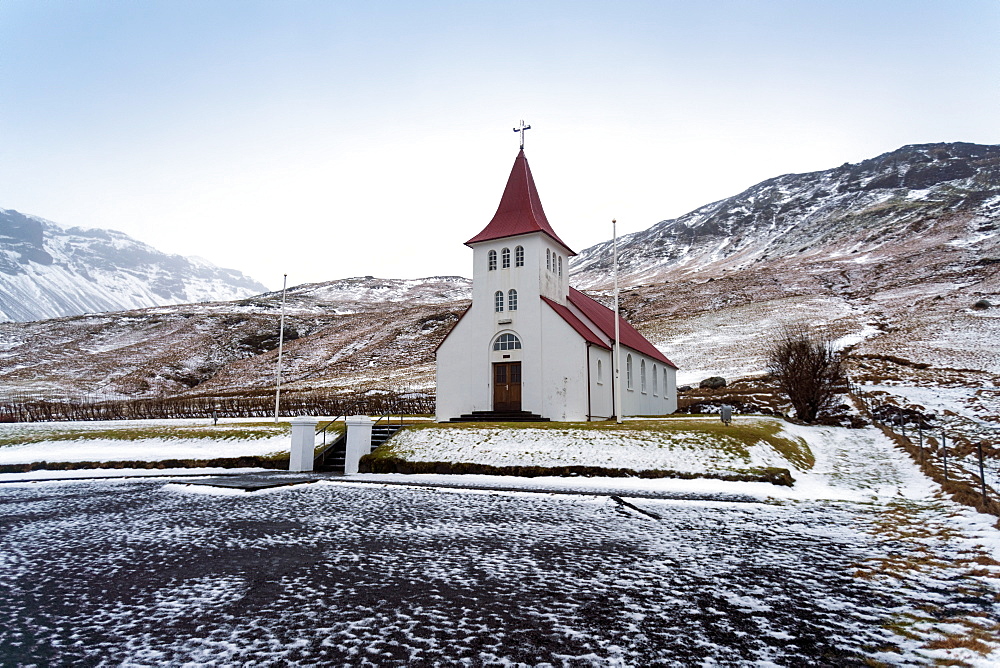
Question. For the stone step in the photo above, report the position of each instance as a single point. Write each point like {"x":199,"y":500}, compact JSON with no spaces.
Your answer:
{"x":500,"y":416}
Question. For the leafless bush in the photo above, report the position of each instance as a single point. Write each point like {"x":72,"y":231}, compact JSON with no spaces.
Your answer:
{"x":808,"y":371}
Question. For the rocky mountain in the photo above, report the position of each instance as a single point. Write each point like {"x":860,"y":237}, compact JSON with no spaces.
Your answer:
{"x":357,"y":332}
{"x":897,"y":258}
{"x":47,"y":271}
{"x":854,"y":214}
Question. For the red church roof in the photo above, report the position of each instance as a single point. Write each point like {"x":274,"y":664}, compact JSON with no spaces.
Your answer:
{"x":604,"y":318}
{"x":574,"y":322}
{"x":520,"y":210}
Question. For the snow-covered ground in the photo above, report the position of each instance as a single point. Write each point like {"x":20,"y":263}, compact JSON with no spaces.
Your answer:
{"x":863,"y":560}
{"x":689,"y":451}
{"x":138,"y":440}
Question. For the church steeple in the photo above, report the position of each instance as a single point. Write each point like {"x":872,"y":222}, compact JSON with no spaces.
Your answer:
{"x":520,"y":210}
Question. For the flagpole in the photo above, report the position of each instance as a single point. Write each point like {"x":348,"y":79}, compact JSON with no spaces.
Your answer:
{"x":617,"y":380}
{"x":281,"y":342}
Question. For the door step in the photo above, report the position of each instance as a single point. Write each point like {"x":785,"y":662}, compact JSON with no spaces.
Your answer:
{"x":499,"y":416}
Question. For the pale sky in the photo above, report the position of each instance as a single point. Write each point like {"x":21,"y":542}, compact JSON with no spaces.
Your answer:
{"x":335,"y":139}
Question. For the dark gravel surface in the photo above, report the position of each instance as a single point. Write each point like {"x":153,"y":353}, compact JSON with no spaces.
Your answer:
{"x":144,"y":572}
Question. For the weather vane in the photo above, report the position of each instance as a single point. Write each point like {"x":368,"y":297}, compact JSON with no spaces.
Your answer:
{"x":521,"y":130}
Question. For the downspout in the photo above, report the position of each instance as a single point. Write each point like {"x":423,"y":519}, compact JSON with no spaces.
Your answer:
{"x":588,"y":382}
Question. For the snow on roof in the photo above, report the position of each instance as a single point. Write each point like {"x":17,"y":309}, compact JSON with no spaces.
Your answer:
{"x":520,"y":210}
{"x":604,"y":319}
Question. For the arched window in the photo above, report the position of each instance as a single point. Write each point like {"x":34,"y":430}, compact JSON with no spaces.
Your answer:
{"x":498,"y":301}
{"x":519,"y":256}
{"x":548,"y":259}
{"x":505,"y":258}
{"x":642,"y":376}
{"x":507,"y":342}
{"x":600,"y":372}
{"x":512,"y":300}
{"x":560,"y":265}
{"x":656,"y":383}
{"x":665,"y":386}
{"x":628,"y":371}
{"x":491,"y":260}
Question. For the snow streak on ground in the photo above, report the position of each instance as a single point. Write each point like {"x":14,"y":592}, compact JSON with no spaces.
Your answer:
{"x":142,"y":572}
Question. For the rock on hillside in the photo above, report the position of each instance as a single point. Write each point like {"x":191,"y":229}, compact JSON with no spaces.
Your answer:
{"x":47,"y":271}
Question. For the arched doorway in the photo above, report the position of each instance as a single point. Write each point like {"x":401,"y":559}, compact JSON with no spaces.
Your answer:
{"x":507,"y":375}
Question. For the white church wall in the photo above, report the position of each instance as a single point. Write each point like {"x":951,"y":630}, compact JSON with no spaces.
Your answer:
{"x":459,"y":377}
{"x":564,"y":383}
{"x":550,"y":256}
{"x":602,"y":405}
{"x":653,"y":399}
{"x":671,"y":399}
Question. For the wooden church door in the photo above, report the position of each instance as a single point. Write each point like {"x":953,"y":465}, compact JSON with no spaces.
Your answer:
{"x":507,"y":386}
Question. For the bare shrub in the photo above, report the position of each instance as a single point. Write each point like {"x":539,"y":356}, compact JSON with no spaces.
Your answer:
{"x":808,"y":371}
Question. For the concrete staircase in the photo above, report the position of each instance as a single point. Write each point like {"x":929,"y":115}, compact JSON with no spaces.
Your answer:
{"x":332,"y":459}
{"x":500,"y":416}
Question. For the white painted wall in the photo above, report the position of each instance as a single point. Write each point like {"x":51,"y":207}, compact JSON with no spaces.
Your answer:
{"x":602,"y":404}
{"x":464,"y":360}
{"x":654,"y":399}
{"x":563,"y":390}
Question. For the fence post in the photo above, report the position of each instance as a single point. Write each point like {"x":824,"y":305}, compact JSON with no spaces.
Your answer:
{"x":944,"y":453}
{"x":982,"y":474}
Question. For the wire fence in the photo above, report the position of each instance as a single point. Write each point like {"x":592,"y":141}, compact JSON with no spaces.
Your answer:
{"x":959,"y":452}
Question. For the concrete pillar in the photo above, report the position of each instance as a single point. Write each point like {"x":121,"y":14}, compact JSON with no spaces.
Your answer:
{"x":359,"y":441}
{"x":303,"y":443}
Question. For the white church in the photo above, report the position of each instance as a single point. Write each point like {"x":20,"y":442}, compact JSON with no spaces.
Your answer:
{"x":531,"y":346}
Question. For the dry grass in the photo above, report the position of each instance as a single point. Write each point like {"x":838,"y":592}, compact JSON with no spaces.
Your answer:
{"x":923,"y":549}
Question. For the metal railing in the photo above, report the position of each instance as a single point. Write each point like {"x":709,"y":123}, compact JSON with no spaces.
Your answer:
{"x":328,"y":425}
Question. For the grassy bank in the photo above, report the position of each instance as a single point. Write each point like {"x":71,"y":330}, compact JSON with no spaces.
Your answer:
{"x":748,"y":449}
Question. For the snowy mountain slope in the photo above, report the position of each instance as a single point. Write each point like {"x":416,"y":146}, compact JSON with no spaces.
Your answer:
{"x":47,"y":271}
{"x":890,"y":256}
{"x":890,"y":253}
{"x":387,"y":339}
{"x":884,"y":207}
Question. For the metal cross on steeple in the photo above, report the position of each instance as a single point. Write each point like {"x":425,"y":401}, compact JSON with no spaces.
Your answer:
{"x":521,"y":130}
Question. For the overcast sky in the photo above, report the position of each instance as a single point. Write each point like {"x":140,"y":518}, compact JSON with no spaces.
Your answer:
{"x":335,"y":139}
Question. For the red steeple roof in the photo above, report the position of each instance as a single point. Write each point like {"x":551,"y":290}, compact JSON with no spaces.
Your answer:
{"x":520,"y":210}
